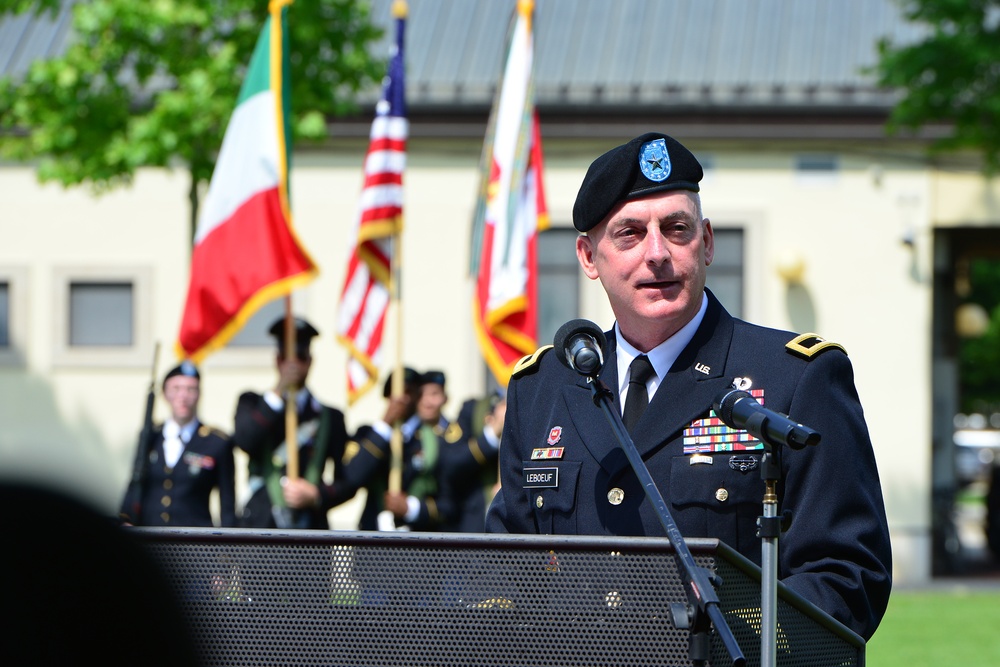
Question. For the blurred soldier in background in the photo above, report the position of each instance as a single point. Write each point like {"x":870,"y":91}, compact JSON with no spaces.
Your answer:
{"x":184,"y":461}
{"x":275,"y":499}
{"x":366,"y":463}
{"x":472,"y":463}
{"x":427,"y":501}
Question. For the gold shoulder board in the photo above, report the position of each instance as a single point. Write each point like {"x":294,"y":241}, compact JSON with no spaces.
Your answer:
{"x":529,"y":361}
{"x":205,"y":430}
{"x":453,"y":433}
{"x":808,"y":345}
{"x":350,"y":451}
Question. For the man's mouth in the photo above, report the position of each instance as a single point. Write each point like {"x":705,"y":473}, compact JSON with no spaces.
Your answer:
{"x":658,"y":284}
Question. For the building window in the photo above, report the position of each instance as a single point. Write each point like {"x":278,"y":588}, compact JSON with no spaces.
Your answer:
{"x":101,"y":314}
{"x":103,"y":317}
{"x":5,"y":314}
{"x":13,"y":315}
{"x":558,"y":281}
{"x":725,"y":276}
{"x":818,"y":168}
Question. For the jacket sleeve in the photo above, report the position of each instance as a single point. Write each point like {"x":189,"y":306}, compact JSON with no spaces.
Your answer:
{"x":836,"y":551}
{"x":257,"y":427}
{"x":509,"y":512}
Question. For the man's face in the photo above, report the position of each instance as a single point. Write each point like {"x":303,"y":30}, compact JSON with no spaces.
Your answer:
{"x":650,"y":255}
{"x":431,"y":402}
{"x":181,"y":393}
{"x":295,"y":370}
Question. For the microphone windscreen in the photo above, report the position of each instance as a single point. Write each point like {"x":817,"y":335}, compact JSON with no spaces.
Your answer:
{"x":724,"y":404}
{"x":573,"y":328}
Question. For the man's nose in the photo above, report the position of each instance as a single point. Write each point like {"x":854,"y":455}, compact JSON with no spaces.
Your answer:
{"x":657,"y":249}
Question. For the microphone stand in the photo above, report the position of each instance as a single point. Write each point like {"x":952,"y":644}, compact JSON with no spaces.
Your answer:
{"x":769,"y":529}
{"x":703,"y":602}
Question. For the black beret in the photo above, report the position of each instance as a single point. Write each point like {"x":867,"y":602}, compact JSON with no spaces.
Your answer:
{"x":432,"y":377}
{"x":186,"y":368}
{"x":650,"y":163}
{"x":304,"y":333}
{"x":410,"y":378}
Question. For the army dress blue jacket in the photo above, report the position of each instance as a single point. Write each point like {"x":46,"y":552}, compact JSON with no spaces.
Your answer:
{"x":367,"y":466}
{"x":259,"y":430}
{"x":836,"y":550}
{"x":179,"y":496}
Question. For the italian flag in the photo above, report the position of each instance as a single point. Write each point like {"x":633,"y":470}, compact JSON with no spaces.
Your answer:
{"x":246,"y":252}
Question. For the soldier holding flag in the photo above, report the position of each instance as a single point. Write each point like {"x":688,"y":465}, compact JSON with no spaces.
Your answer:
{"x":280,"y":497}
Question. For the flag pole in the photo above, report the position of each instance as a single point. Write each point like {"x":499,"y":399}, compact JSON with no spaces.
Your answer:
{"x":399,"y":11}
{"x":291,"y":396}
{"x":396,"y":441}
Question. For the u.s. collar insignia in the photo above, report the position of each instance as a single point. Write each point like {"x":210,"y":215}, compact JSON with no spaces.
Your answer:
{"x":654,"y":161}
{"x":555,"y":435}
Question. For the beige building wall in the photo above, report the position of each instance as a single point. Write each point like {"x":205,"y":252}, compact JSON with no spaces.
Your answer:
{"x":73,"y":418}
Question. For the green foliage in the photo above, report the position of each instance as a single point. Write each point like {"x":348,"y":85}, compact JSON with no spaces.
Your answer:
{"x":153,"y":83}
{"x":951,"y":75}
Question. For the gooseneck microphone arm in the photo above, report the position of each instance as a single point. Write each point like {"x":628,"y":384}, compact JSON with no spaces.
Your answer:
{"x":703,"y":610}
{"x":739,"y":410}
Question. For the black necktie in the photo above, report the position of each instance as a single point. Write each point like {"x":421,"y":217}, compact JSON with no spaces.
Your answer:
{"x":637,"y":399}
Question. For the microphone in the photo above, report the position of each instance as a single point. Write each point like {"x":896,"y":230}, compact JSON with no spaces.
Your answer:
{"x":739,"y":410}
{"x":579,"y":344}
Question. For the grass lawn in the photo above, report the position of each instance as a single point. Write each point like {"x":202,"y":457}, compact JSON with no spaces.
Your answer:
{"x":939,"y":628}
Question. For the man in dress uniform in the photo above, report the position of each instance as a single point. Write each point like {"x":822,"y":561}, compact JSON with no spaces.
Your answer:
{"x":275,"y":500}
{"x":674,"y":348}
{"x":185,"y":462}
{"x":366,"y":462}
{"x":472,"y":463}
{"x":427,"y":500}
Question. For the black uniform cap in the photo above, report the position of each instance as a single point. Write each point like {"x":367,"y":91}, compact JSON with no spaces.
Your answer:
{"x":304,"y":333}
{"x":185,"y":368}
{"x":432,"y":377}
{"x":411,"y":378}
{"x":650,"y":163}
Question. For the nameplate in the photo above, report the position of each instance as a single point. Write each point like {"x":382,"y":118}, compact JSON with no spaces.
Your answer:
{"x":541,"y":478}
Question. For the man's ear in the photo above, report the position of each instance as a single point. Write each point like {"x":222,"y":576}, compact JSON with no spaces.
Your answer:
{"x":585,"y":254}
{"x":708,"y":238}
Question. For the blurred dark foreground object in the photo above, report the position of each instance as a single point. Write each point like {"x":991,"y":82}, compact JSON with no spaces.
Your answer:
{"x":78,"y":589}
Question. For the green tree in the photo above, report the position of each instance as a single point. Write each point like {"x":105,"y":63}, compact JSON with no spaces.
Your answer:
{"x":949,"y":75}
{"x":154,"y":82}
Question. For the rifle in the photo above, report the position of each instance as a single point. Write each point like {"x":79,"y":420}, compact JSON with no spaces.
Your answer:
{"x":142,"y":450}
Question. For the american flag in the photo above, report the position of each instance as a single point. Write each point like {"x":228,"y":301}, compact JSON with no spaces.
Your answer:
{"x":369,"y":283}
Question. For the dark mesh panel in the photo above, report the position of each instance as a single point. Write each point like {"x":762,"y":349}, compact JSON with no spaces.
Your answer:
{"x":334,"y":598}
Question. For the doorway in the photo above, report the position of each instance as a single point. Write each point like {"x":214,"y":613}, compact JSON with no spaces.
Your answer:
{"x":965,"y":464}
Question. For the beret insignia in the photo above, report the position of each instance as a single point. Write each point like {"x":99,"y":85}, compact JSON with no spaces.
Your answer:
{"x":808,"y":345}
{"x":654,"y":160}
{"x":529,"y":361}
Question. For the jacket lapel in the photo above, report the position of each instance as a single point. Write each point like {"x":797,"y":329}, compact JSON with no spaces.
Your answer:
{"x":691,"y":385}
{"x":589,"y":419}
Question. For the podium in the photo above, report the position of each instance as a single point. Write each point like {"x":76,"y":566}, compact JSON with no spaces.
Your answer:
{"x":271,"y":597}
